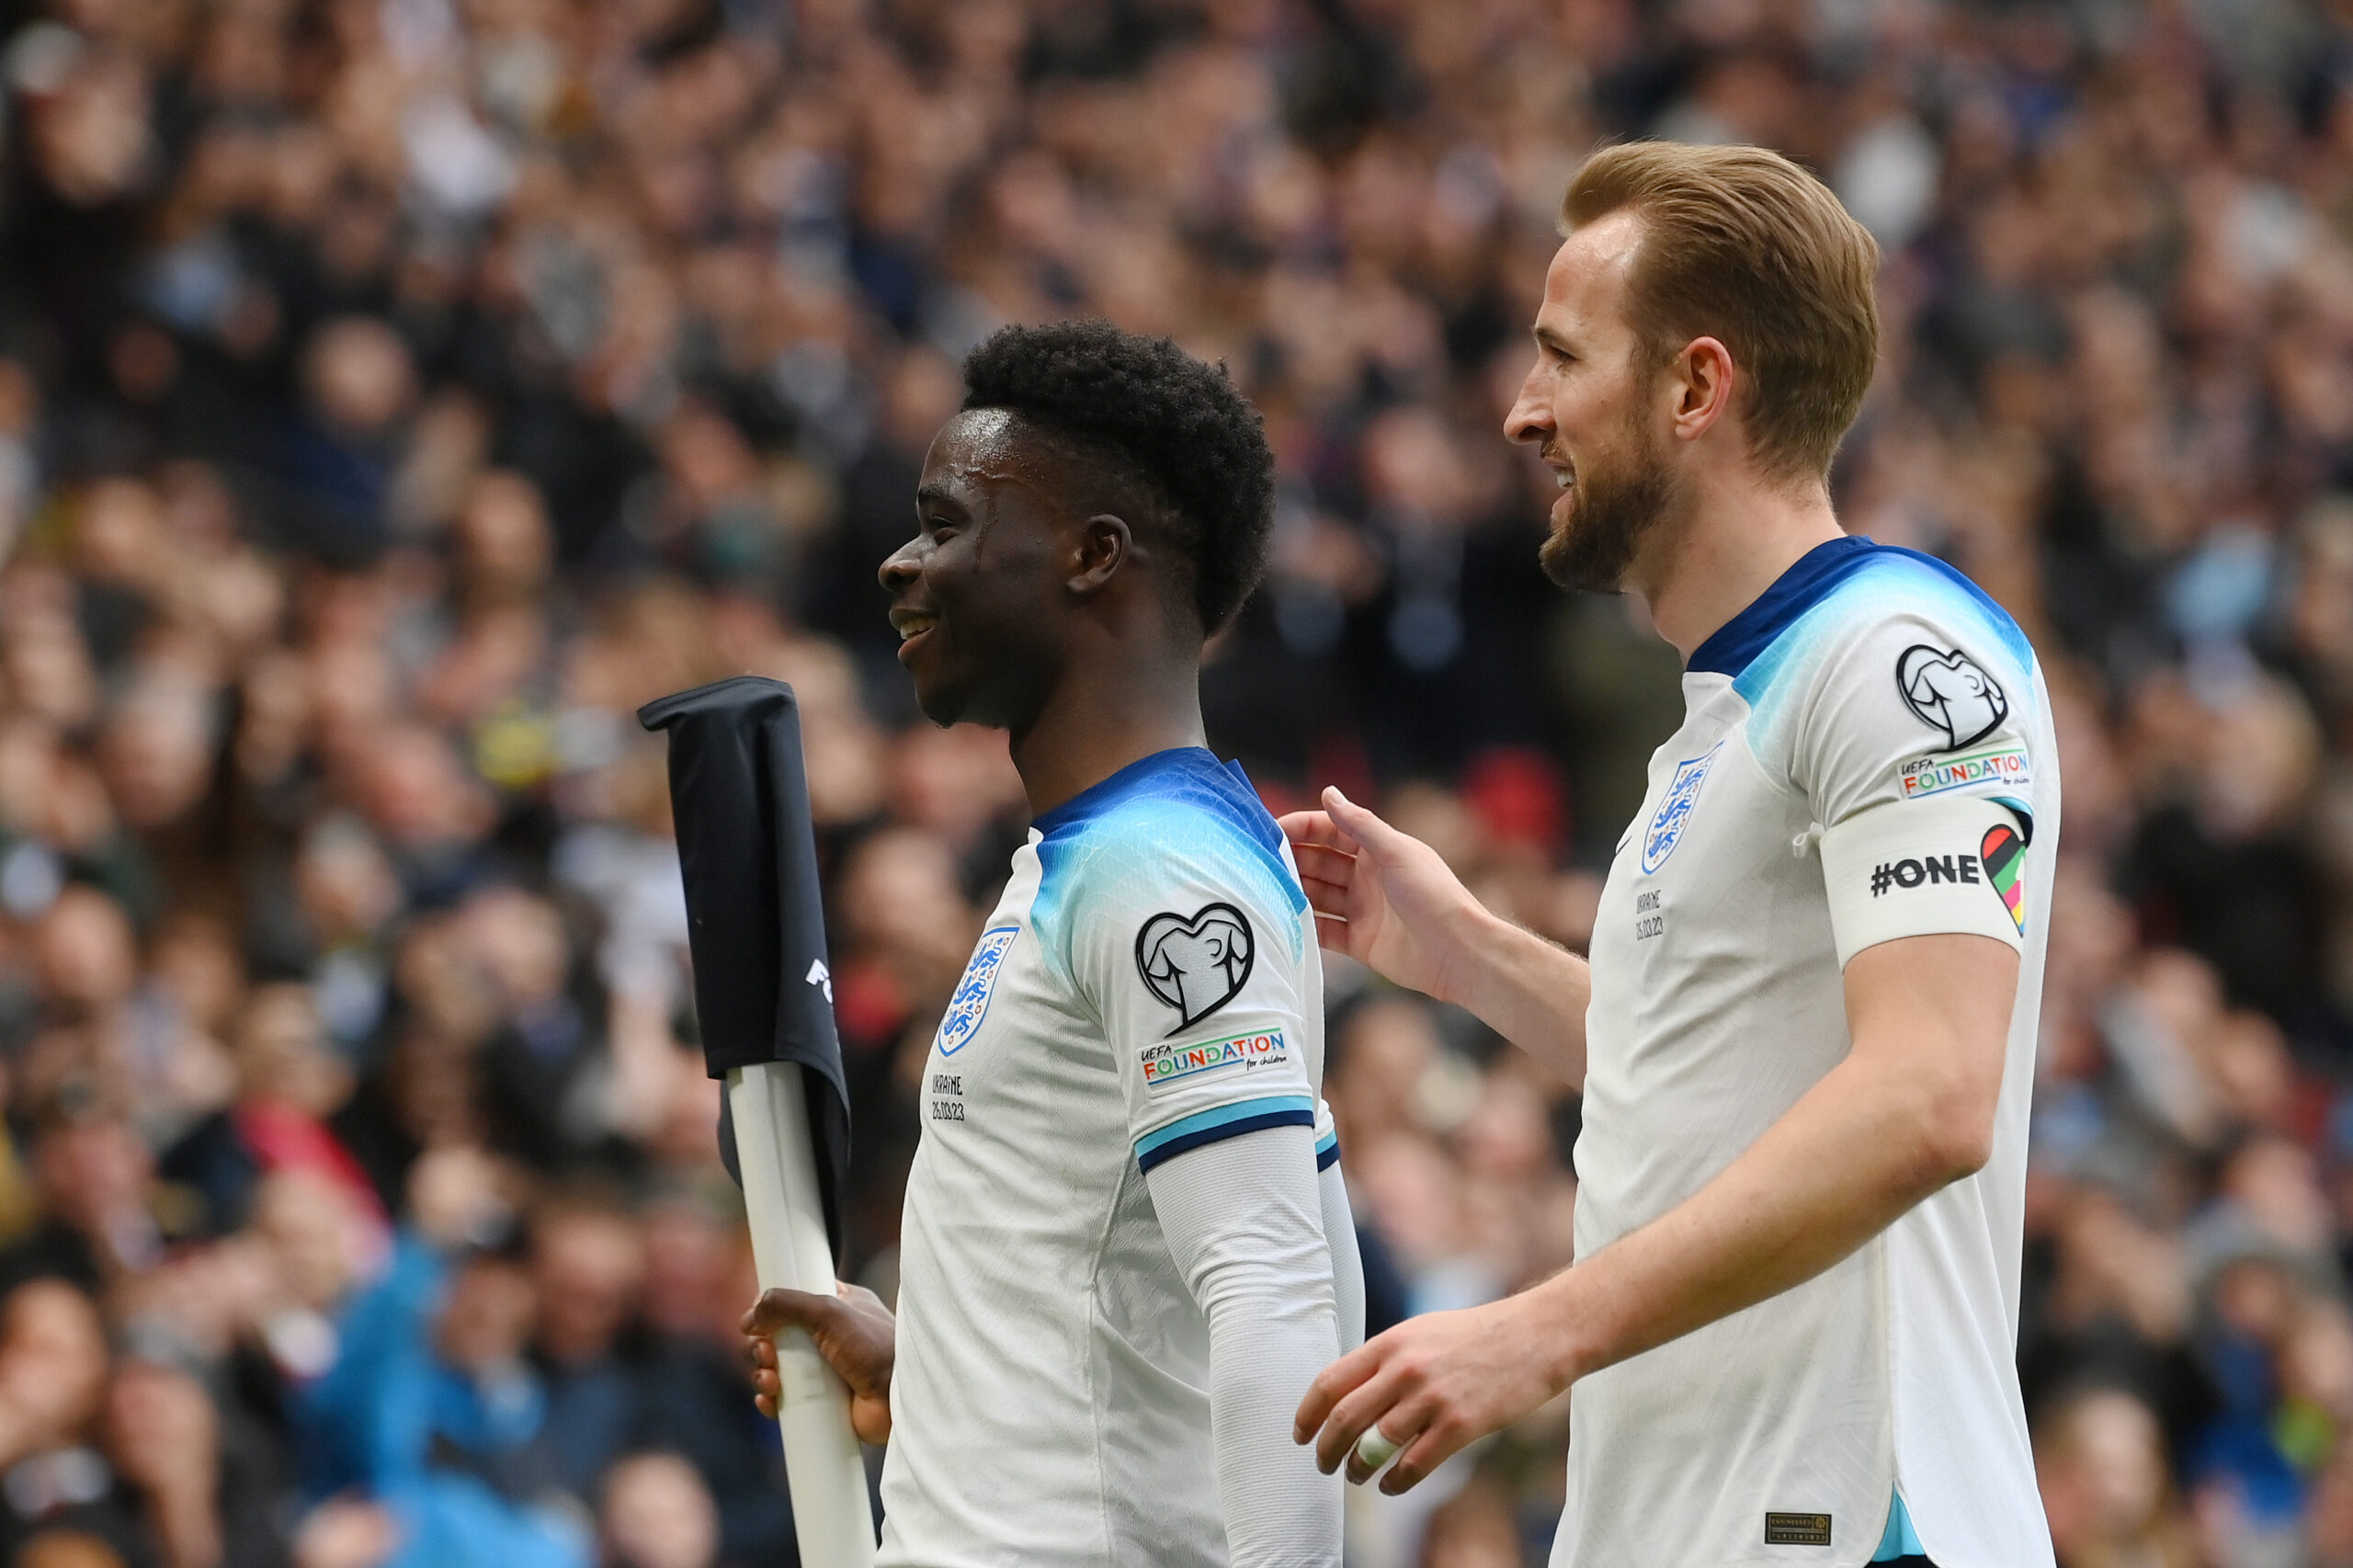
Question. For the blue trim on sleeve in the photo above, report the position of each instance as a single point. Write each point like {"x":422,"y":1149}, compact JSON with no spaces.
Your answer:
{"x":1811,"y":579}
{"x":1327,"y":1150}
{"x":1223,"y":1122}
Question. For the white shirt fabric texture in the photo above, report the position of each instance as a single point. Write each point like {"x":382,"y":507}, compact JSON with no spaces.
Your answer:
{"x":1866,"y":754}
{"x":1116,"y":1281}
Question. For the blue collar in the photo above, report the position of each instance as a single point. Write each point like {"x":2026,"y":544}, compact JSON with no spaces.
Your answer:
{"x":1795,"y":591}
{"x":1135,"y":778}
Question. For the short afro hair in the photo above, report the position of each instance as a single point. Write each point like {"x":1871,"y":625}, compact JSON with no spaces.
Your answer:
{"x":1157,"y":415}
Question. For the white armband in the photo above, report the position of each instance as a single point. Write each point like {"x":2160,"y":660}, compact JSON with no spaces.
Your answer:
{"x":1925,"y":867}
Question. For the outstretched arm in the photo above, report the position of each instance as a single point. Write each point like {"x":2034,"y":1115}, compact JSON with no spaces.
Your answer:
{"x":1386,"y":899}
{"x":1910,"y":1109}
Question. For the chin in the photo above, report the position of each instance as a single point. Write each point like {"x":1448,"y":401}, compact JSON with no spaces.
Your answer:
{"x":943,"y":706}
{"x":1580,"y":564}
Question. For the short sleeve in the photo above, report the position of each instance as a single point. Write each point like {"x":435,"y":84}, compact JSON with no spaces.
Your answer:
{"x":1915,"y":750}
{"x":1183,"y":937}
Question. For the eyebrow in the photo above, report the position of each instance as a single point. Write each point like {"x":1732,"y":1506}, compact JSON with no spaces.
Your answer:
{"x":939,"y":493}
{"x":1548,"y":338}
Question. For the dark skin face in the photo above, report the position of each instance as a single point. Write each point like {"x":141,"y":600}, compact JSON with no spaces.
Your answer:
{"x":989,"y":565}
{"x":1025,"y":605}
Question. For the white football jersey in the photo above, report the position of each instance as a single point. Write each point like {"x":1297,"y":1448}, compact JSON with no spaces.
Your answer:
{"x":1866,"y":754}
{"x":1148,"y":984}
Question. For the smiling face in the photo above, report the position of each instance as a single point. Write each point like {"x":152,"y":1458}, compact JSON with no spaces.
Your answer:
{"x":978,"y":595}
{"x":1591,"y":405}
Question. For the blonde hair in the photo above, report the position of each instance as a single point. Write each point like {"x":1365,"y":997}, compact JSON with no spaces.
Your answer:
{"x":1743,"y":246}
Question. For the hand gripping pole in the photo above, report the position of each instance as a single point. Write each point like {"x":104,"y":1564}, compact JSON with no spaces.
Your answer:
{"x":823,"y":1465}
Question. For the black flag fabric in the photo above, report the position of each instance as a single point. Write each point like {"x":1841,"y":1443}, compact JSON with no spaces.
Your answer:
{"x":756,"y":922}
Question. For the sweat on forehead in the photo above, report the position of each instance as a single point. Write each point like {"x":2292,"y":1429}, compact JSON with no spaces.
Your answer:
{"x":1083,"y":475}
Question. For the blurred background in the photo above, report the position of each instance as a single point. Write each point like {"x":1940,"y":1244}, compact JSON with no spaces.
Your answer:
{"x":395,"y":393}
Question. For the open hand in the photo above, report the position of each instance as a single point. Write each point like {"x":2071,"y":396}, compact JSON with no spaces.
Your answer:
{"x":853,"y":1331}
{"x":1383,"y":897}
{"x":1433,"y":1384}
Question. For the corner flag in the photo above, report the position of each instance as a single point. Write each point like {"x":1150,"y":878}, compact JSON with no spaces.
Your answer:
{"x":755,"y":927}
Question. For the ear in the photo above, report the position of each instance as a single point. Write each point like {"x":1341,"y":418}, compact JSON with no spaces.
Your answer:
{"x":1703,"y":378}
{"x":1103,"y":544}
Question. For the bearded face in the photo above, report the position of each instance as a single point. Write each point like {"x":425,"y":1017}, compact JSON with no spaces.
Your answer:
{"x":1618,"y":493}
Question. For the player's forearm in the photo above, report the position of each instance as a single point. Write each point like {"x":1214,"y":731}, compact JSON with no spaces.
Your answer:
{"x":1523,"y":987}
{"x":1261,"y":1272}
{"x":1280,"y":1510}
{"x":1857,"y":1151}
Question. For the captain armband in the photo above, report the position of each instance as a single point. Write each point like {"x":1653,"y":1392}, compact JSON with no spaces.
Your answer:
{"x":1927,"y":867}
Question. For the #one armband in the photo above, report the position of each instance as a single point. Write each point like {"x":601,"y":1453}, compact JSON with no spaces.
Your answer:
{"x":1925,"y":867}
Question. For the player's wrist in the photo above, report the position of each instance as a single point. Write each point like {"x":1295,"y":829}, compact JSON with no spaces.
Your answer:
{"x":1464,"y":964}
{"x":1566,"y":1330}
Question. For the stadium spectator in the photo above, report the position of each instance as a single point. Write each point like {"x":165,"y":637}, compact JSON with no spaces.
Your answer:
{"x":393,"y":395}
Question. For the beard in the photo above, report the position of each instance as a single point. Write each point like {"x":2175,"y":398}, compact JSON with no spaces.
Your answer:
{"x":1618,"y":496}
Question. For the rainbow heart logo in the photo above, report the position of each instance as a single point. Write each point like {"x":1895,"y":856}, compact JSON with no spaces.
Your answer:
{"x":2003,"y":852}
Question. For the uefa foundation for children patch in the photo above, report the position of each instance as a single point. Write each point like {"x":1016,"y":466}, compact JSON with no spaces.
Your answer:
{"x":1165,"y":1066}
{"x":2005,"y":766}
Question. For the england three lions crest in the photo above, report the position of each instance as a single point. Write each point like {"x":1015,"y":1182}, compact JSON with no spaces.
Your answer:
{"x":970,"y":1004}
{"x":1682,"y":793}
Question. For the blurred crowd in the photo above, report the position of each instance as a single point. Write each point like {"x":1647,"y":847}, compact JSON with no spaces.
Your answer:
{"x":396,"y":393}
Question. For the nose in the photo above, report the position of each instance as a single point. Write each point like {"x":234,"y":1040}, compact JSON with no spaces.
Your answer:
{"x":1530,"y":418}
{"x":899,"y":569}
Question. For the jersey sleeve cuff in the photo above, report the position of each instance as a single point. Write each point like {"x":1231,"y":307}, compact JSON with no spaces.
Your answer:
{"x":1927,"y":867}
{"x":1223,"y":1122}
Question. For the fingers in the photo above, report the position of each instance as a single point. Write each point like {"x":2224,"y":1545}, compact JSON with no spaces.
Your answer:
{"x":1303,"y":825}
{"x":766,"y":1387}
{"x":1337,"y":856}
{"x":870,"y":1419}
{"x":1325,"y":896}
{"x":780,"y":1309}
{"x":1331,"y":1385}
{"x":1313,"y":830}
{"x":1436,"y":1445}
{"x":1326,"y":863}
{"x":1356,"y":823}
{"x":1375,"y":1449}
{"x":1372,"y":1402}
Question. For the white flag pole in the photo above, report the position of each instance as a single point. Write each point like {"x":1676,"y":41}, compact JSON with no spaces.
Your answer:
{"x":826,"y":1474}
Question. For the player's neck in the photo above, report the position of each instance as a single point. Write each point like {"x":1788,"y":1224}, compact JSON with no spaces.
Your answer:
{"x":1099,"y":720}
{"x":1715,"y":560}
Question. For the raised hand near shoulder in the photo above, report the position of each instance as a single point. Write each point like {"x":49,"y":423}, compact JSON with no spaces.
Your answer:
{"x":1383,"y":897}
{"x":1386,"y":899}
